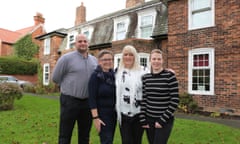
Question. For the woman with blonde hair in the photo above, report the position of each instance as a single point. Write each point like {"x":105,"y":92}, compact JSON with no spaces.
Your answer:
{"x":129,"y":96}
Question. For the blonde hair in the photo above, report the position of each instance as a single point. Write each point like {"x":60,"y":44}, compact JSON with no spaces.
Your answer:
{"x":155,"y":51}
{"x":131,"y":49}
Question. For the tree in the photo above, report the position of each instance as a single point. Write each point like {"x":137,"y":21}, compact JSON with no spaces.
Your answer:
{"x":26,"y":48}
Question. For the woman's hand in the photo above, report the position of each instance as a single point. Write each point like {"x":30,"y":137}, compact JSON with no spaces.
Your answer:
{"x":97,"y":123}
{"x":157,"y":125}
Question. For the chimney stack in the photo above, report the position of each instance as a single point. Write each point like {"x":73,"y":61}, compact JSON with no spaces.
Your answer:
{"x":80,"y":14}
{"x":38,"y":19}
{"x":132,"y":3}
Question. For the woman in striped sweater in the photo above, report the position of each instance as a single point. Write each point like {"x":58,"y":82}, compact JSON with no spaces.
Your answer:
{"x":160,"y":100}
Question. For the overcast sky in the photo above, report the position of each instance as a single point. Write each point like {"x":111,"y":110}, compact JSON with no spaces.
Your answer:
{"x":17,"y":14}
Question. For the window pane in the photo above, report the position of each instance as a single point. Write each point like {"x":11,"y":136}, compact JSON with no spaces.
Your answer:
{"x":201,"y":60}
{"x":194,"y":80}
{"x":201,"y":79}
{"x":143,"y":62}
{"x":120,"y":27}
{"x":207,"y":79}
{"x":207,"y":88}
{"x":200,"y":4}
{"x":121,"y":31}
{"x":71,"y":38}
{"x":46,"y":68}
{"x":147,"y":20}
{"x":86,"y":33}
{"x":202,"y":19}
{"x":47,"y":43}
{"x":194,"y":86}
{"x":146,"y":32}
{"x":120,"y":36}
{"x":71,"y":45}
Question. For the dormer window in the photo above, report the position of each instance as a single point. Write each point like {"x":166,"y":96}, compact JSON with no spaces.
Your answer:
{"x":146,"y":26}
{"x":120,"y":28}
{"x":87,"y":31}
{"x":121,"y":31}
{"x":71,"y":41}
{"x":146,"y":22}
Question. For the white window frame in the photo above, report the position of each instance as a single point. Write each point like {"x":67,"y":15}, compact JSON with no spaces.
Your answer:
{"x":196,"y":11}
{"x":88,"y":29}
{"x":71,"y":42}
{"x":145,"y":56}
{"x":148,"y":12}
{"x":125,"y":20}
{"x":47,"y":46}
{"x":117,"y":58}
{"x":211,"y":54}
{"x":46,"y":74}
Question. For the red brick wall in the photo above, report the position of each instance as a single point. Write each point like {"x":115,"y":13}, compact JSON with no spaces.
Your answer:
{"x":6,"y":49}
{"x":31,"y":78}
{"x":224,"y":37}
{"x":53,"y":57}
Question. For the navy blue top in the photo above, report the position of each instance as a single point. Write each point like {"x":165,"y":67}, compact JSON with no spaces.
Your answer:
{"x":101,"y":88}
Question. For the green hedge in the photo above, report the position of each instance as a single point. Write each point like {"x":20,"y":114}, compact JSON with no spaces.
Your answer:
{"x":14,"y":65}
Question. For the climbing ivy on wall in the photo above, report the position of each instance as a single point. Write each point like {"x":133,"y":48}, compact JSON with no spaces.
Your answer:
{"x":25,"y":48}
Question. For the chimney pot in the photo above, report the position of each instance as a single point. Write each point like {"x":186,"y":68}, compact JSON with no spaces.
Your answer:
{"x":38,"y":19}
{"x":133,"y":3}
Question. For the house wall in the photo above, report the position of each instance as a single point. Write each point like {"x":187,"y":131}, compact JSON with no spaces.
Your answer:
{"x":224,"y":37}
{"x":39,"y":31}
{"x":6,"y":49}
{"x":54,"y":55}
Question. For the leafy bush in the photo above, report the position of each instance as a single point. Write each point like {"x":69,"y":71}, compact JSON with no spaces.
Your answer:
{"x":29,"y":89}
{"x":187,"y":103}
{"x":26,"y":48}
{"x":14,"y":65}
{"x":42,"y":89}
{"x":8,"y":93}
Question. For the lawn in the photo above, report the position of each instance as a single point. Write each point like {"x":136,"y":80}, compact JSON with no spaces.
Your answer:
{"x":34,"y":120}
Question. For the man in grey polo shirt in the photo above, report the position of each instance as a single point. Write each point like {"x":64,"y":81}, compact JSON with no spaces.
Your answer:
{"x":72,"y":73}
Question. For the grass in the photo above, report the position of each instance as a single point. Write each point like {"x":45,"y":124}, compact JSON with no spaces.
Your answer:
{"x":34,"y":120}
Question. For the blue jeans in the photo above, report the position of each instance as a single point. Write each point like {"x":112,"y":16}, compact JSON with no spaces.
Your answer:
{"x":74,"y":110}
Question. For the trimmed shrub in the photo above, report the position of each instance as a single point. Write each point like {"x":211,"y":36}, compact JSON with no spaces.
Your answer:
{"x":8,"y":93}
{"x":14,"y":65}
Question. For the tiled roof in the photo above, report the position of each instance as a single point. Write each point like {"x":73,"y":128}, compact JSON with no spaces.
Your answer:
{"x":25,"y":30}
{"x":12,"y":36}
{"x":9,"y":36}
{"x":103,"y":26}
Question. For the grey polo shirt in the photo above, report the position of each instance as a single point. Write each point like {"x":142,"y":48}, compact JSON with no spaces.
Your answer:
{"x":72,"y":73}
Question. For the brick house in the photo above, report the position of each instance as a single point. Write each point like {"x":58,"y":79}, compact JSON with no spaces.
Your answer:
{"x":204,"y":49}
{"x":200,"y":40}
{"x":8,"y":38}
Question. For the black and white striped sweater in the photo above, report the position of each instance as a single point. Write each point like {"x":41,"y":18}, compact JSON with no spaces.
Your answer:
{"x":160,"y":97}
